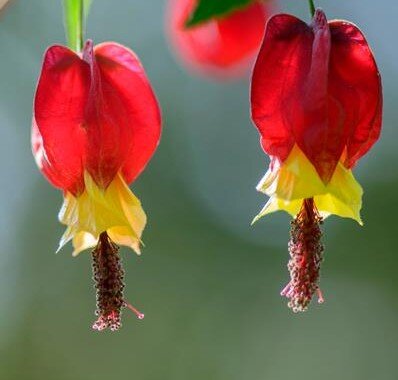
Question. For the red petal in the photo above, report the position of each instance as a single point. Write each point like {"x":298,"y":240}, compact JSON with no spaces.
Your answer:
{"x":317,"y":86}
{"x":41,"y":157}
{"x":318,"y":128}
{"x":278,"y":77}
{"x":122,"y":116}
{"x":217,"y":45}
{"x":356,"y":83}
{"x":58,"y":138}
{"x":97,"y":113}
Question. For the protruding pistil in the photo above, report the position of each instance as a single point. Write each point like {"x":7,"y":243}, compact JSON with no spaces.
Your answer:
{"x":305,"y":249}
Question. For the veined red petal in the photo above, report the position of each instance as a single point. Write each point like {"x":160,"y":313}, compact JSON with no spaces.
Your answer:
{"x":58,"y":136}
{"x":355,"y":82}
{"x":315,"y":132}
{"x":41,"y":159}
{"x":290,"y":92}
{"x":278,"y":77}
{"x":218,"y":46}
{"x":317,"y":86}
{"x":124,"y":122}
{"x":96,"y":113}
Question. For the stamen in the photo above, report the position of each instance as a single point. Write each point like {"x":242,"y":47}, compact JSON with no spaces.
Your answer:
{"x":137,"y":313}
{"x":320,"y":296}
{"x":108,"y":275}
{"x":305,"y":249}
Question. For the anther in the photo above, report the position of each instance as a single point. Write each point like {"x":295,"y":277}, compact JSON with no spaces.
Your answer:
{"x":305,"y":249}
{"x":320,"y":296}
{"x":137,"y":313}
{"x":108,"y":275}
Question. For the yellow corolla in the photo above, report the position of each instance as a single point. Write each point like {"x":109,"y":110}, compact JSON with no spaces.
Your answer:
{"x":115,"y":210}
{"x":289,"y":184}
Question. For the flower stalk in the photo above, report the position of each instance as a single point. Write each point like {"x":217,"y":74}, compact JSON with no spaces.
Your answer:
{"x":75,"y":12}
{"x":312,"y":7}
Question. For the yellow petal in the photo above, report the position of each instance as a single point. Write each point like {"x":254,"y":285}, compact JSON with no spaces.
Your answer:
{"x":122,"y":236}
{"x":66,"y":237}
{"x":296,"y":179}
{"x":82,"y":241}
{"x":115,"y":210}
{"x":276,"y":204}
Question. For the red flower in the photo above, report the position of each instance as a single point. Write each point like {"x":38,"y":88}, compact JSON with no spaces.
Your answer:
{"x":96,"y":124}
{"x":225,"y":46}
{"x":317,"y":102}
{"x":96,"y":113}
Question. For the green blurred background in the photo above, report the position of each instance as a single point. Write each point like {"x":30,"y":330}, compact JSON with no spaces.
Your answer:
{"x":208,"y":282}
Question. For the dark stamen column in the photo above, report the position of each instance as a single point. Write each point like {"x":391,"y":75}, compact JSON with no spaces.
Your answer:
{"x":108,"y":276}
{"x":305,"y":249}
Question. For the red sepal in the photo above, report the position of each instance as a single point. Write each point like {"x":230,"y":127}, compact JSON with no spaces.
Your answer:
{"x":131,"y":103}
{"x":277,"y":80}
{"x":97,"y":113}
{"x":58,"y":136}
{"x":316,"y":86}
{"x":356,"y":82}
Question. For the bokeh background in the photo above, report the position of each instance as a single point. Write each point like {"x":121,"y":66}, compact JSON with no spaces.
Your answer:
{"x":208,"y":282}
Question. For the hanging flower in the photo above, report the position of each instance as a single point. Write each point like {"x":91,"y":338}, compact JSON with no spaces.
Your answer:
{"x":316,"y":100}
{"x":224,"y":47}
{"x":96,"y":124}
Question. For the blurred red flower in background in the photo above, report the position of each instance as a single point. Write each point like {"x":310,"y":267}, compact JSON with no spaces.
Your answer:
{"x":316,"y":100}
{"x":96,"y":124}
{"x":224,"y":47}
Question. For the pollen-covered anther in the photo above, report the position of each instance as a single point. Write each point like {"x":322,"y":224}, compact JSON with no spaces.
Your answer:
{"x":108,"y":275}
{"x":305,"y":249}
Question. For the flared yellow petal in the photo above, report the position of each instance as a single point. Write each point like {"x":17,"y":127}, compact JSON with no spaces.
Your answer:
{"x":66,"y":237}
{"x":115,"y":210}
{"x":82,"y":241}
{"x":276,"y":204}
{"x":132,"y":209}
{"x":122,"y":236}
{"x":296,"y":179}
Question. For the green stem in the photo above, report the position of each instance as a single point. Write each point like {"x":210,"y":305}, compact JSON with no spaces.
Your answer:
{"x":312,"y":7}
{"x":74,"y":23}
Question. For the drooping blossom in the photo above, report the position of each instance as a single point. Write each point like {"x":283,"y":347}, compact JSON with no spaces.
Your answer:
{"x":224,"y":47}
{"x":96,"y":124}
{"x":316,"y":99}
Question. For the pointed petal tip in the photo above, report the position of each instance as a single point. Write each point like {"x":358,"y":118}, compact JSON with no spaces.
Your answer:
{"x":256,"y":219}
{"x":136,"y":247}
{"x":319,"y":18}
{"x":89,"y":45}
{"x":88,"y":52}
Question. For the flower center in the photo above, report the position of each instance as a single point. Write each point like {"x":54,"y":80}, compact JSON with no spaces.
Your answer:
{"x":108,"y":275}
{"x":305,"y":249}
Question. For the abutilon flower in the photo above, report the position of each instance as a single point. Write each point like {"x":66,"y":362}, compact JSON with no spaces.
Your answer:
{"x":316,"y":100}
{"x":96,"y":124}
{"x":224,"y":47}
